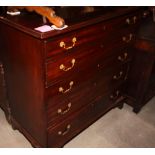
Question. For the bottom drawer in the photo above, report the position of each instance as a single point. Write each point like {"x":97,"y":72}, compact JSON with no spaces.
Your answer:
{"x":66,"y":130}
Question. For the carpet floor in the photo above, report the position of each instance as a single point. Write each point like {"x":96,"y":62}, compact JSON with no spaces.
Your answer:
{"x":117,"y":129}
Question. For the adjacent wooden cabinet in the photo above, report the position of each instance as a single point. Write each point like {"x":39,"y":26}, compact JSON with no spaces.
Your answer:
{"x":59,"y":82}
{"x":141,"y":86}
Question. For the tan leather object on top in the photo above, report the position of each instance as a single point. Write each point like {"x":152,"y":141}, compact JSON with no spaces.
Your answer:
{"x":47,"y":12}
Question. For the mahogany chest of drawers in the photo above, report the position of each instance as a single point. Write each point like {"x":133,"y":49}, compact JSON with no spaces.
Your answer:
{"x":61,"y":81}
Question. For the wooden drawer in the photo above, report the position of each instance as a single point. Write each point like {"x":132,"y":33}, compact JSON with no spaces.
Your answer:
{"x":67,"y":129}
{"x":59,"y":108}
{"x":87,"y":57}
{"x":105,"y":41}
{"x":88,"y":36}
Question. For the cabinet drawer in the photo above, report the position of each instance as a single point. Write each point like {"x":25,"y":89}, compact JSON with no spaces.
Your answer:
{"x":67,"y":129}
{"x":59,"y":108}
{"x":73,"y":40}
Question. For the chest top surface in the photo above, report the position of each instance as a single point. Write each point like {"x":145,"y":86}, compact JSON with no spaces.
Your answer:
{"x":75,"y":18}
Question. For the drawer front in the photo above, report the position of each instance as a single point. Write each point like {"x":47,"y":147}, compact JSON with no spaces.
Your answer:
{"x":89,"y":35}
{"x":67,"y":129}
{"x":59,"y":108}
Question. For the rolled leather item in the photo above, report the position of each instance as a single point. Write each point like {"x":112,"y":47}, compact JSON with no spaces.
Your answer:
{"x":47,"y":12}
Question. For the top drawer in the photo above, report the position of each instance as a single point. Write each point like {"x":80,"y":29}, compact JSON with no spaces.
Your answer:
{"x":90,"y":34}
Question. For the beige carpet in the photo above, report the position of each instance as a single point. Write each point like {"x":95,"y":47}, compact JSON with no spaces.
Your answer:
{"x":118,"y":128}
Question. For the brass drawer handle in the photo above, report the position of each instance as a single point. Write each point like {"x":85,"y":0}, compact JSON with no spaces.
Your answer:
{"x":62,"y":133}
{"x":115,"y":95}
{"x":61,"y":89}
{"x":127,"y":21}
{"x":62,"y":112}
{"x":117,"y":77}
{"x":132,"y":20}
{"x":128,"y":38}
{"x":63,"y":45}
{"x":146,"y":13}
{"x":62,"y":67}
{"x":123,"y":58}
